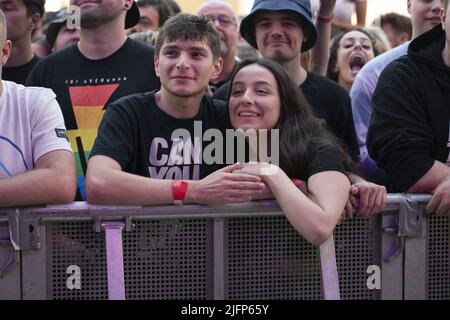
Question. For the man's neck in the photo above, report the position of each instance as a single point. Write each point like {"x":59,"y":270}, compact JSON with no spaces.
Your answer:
{"x":229,"y":63}
{"x":178,"y":107}
{"x":102,"y":41}
{"x":296,"y":71}
{"x":21,"y":53}
{"x":446,"y":53}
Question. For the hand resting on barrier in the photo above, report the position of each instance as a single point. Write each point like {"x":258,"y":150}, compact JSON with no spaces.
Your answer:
{"x":313,"y":212}
{"x":366,"y":200}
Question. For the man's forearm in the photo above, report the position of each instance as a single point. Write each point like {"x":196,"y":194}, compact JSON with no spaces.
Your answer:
{"x":431,"y":179}
{"x":113,"y":186}
{"x":39,"y":186}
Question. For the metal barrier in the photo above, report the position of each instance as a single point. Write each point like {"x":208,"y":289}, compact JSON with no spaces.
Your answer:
{"x":223,"y":252}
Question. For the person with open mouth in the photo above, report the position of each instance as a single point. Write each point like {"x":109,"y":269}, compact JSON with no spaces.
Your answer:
{"x":349,"y":52}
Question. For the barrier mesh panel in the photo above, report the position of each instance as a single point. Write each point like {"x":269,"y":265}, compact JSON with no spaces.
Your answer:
{"x":438,"y":258}
{"x":168,"y":259}
{"x":76,"y":244}
{"x":356,"y":248}
{"x":267,"y":259}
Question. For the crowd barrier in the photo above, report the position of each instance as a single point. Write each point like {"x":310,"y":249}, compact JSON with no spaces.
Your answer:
{"x":236,"y":252}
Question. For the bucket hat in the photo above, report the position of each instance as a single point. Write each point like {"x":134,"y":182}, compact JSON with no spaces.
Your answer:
{"x":301,"y":7}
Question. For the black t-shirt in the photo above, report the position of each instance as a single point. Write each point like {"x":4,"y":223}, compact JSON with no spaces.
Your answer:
{"x":137,"y":134}
{"x":329,"y":102}
{"x":319,"y":159}
{"x":84,"y":86}
{"x":217,"y":85}
{"x":20,"y":74}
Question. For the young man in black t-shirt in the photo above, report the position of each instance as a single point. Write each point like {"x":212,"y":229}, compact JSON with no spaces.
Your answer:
{"x":104,"y":66}
{"x":139,"y":157}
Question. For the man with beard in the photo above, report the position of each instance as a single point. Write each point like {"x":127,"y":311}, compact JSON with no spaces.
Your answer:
{"x":224,"y":18}
{"x":105,"y":65}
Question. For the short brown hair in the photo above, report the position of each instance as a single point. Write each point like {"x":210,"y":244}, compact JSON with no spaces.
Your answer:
{"x":398,"y":22}
{"x":187,"y":26}
{"x":35,"y":6}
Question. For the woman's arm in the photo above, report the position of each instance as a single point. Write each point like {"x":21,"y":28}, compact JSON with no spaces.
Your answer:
{"x":320,"y":53}
{"x":361,"y":11}
{"x":314,"y":216}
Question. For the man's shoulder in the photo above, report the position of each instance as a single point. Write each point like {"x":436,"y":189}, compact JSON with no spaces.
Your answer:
{"x":140,"y":52}
{"x":58,"y":57}
{"x":214,"y":104}
{"x":381,"y":61}
{"x":46,"y":69}
{"x":27,"y":93}
{"x":222,"y":92}
{"x":140,"y":47}
{"x":216,"y":110}
{"x":329,"y":87}
{"x":402,"y":68}
{"x":137,"y":100}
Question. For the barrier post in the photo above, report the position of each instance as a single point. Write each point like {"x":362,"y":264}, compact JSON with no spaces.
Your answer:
{"x":114,"y":259}
{"x":330,"y":279}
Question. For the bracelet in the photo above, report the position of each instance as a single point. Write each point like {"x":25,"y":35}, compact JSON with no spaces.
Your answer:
{"x":179,"y":189}
{"x":325,"y":19}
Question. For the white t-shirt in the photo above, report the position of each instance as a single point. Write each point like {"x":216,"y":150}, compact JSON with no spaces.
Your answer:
{"x":31,"y":125}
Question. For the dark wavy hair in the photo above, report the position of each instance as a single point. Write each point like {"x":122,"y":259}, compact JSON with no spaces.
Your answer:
{"x":331,"y":72}
{"x":302,"y":135}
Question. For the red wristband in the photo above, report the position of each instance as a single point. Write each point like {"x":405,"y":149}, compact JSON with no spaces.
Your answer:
{"x":179,"y":189}
{"x":325,"y":19}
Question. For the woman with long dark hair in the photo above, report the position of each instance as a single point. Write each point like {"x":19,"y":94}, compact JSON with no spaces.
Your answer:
{"x":263,"y":96}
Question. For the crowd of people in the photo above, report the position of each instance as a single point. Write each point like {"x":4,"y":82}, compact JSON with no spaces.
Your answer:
{"x":134,"y":107}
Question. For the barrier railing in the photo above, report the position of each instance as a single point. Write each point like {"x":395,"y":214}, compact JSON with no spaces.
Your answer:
{"x":244,"y":251}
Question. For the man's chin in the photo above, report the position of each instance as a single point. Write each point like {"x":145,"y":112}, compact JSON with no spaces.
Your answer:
{"x":91,"y":21}
{"x":277,"y":56}
{"x":185,"y":93}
